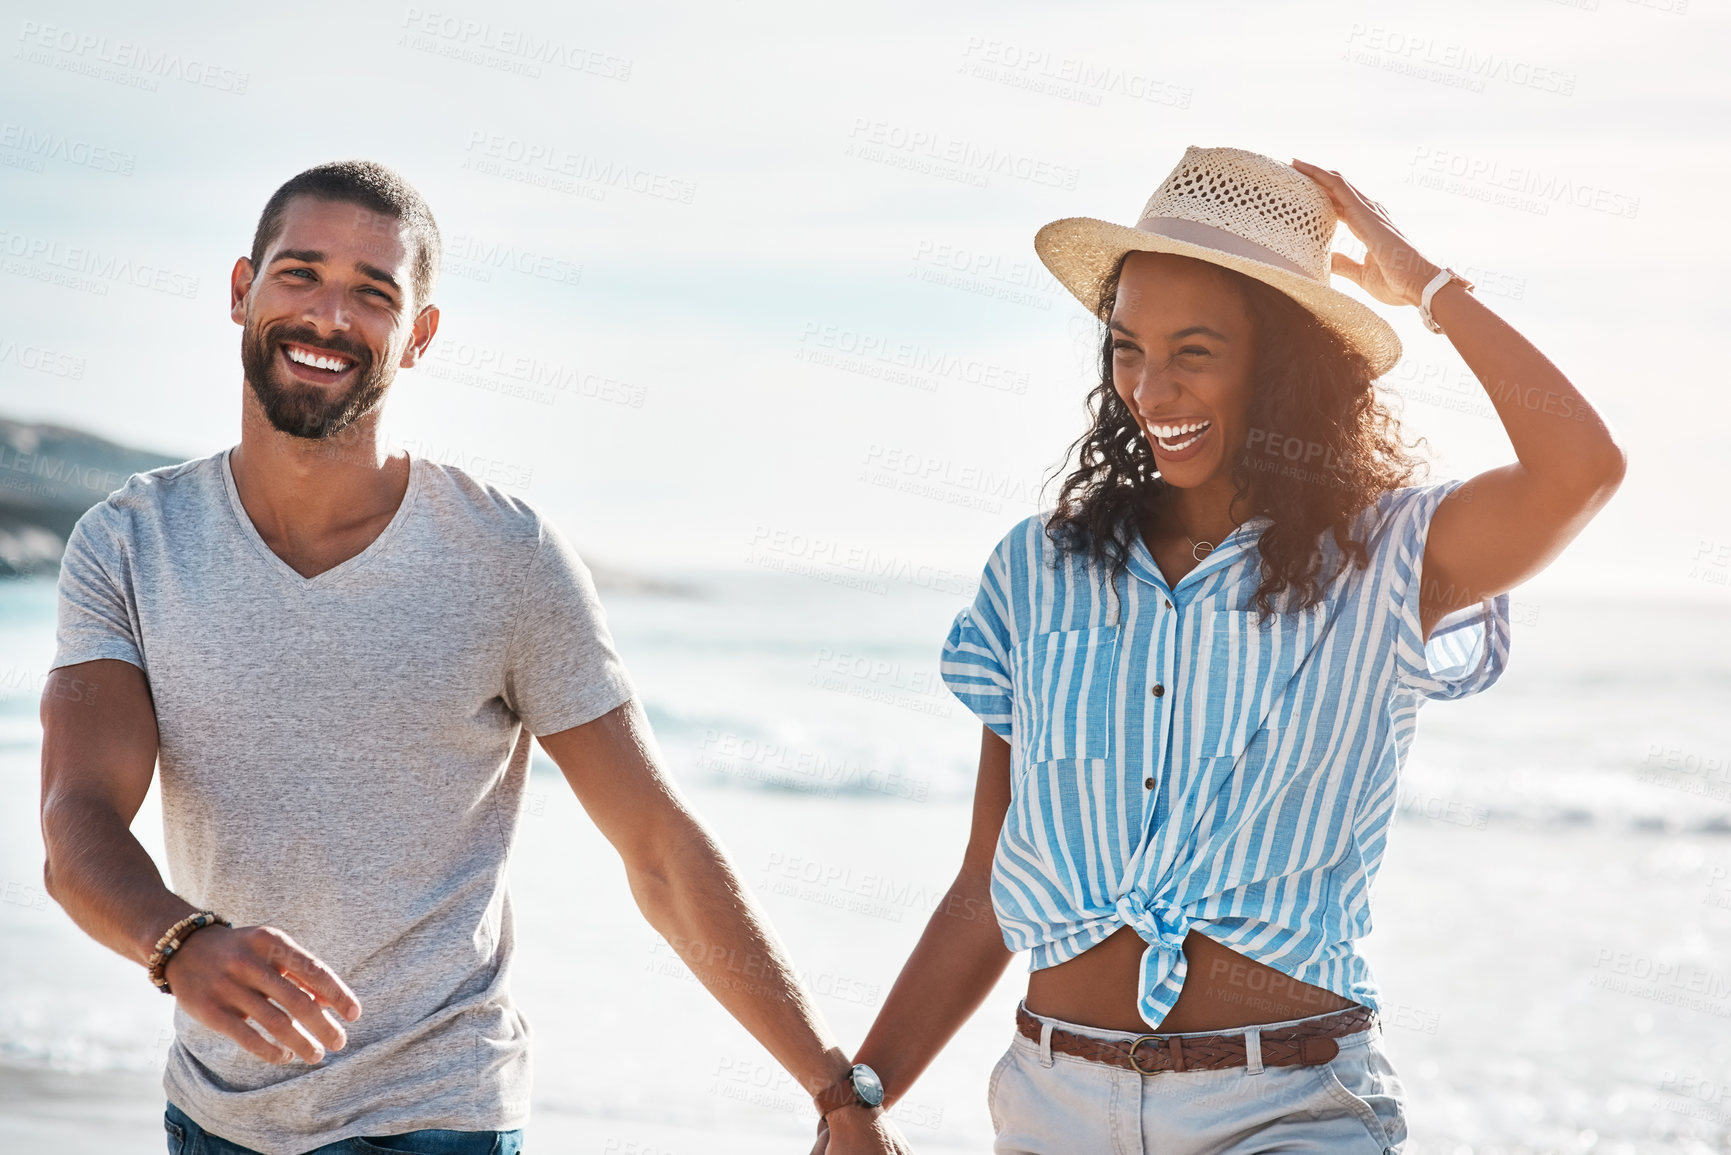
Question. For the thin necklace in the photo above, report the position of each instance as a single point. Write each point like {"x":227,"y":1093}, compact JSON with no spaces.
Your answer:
{"x":1198,"y":549}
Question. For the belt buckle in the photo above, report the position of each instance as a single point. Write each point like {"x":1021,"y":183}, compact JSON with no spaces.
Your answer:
{"x":1137,"y":1042}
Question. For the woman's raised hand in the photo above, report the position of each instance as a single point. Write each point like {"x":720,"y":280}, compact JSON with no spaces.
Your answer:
{"x":1393,"y":271}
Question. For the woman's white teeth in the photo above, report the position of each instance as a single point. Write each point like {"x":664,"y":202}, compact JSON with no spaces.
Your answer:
{"x":301,"y":357}
{"x":1168,"y":435}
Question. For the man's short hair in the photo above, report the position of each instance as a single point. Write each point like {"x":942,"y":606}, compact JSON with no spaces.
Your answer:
{"x":367,"y":185}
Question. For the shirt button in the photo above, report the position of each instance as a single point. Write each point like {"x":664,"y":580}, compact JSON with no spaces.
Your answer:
{"x":1158,"y":691}
{"x":1168,"y":603}
{"x":1148,"y":783}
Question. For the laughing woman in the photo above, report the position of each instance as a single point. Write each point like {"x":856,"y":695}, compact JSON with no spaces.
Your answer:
{"x":1199,"y":676}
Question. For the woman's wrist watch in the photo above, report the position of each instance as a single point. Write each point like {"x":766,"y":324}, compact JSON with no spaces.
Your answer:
{"x":860,"y":1087}
{"x":1442,"y":278}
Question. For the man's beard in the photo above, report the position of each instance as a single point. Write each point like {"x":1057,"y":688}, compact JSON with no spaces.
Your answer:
{"x":302,"y":410}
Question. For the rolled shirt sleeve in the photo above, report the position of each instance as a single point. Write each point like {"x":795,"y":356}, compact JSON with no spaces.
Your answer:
{"x":975,"y":662}
{"x":1469,"y":648}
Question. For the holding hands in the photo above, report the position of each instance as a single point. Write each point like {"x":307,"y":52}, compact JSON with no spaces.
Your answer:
{"x":859,"y":1131}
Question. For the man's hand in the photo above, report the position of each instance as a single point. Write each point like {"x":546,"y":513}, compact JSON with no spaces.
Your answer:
{"x":99,"y":750}
{"x":859,"y":1130}
{"x":224,"y":975}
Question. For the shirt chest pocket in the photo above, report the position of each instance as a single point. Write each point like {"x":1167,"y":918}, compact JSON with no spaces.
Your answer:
{"x":1250,"y":669}
{"x":1067,"y":694}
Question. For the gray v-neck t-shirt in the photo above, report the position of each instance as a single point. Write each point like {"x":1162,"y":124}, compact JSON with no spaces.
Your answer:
{"x":343,"y":757}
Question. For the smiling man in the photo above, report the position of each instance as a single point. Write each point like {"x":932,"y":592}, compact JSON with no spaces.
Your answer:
{"x":337,"y":654}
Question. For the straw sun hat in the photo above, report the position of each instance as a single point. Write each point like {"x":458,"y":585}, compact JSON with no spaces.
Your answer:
{"x":1229,"y":207}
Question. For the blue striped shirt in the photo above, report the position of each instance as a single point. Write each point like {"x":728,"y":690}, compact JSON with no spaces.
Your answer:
{"x":1272,"y":753}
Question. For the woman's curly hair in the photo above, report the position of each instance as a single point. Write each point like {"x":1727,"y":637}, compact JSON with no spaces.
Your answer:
{"x":1309,"y":388}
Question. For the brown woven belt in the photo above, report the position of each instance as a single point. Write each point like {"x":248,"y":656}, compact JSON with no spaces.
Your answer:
{"x":1307,"y":1044}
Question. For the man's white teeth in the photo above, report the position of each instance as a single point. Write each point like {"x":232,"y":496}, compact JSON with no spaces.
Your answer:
{"x":301,"y":357}
{"x":1167,"y":433}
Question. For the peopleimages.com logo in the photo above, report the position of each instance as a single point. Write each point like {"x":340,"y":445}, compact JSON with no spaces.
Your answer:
{"x":122,"y":61}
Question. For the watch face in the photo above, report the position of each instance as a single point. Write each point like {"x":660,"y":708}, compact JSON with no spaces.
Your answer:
{"x":867,"y":1085}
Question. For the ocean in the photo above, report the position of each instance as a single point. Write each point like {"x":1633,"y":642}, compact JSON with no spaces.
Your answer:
{"x":1552,"y":920}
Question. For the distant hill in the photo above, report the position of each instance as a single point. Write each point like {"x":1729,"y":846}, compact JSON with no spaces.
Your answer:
{"x":50,"y":474}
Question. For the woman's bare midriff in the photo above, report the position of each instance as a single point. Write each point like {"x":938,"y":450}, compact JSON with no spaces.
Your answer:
{"x":1222,"y":989}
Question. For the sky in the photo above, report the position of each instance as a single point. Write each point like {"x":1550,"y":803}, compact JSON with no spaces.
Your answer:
{"x":725,"y":275}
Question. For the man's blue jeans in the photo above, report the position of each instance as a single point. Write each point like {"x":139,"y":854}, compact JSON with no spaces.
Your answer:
{"x":187,"y":1138}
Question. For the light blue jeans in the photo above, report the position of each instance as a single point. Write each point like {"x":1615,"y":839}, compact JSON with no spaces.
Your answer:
{"x":1043,"y":1102}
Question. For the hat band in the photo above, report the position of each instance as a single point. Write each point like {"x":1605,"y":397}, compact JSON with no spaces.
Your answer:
{"x":1210,"y":237}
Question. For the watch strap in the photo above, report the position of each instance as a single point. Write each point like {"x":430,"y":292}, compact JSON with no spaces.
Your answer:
{"x":836,"y":1095}
{"x":1442,"y":278}
{"x":841,"y":1093}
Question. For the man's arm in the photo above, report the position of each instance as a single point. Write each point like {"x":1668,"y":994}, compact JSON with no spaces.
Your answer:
{"x":99,"y":744}
{"x":688,"y":891}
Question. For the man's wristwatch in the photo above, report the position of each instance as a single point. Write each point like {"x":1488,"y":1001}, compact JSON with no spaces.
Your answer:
{"x":1442,"y":278}
{"x":860,"y":1087}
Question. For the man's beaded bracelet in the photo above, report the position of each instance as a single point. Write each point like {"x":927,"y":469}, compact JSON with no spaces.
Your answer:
{"x":171,"y":942}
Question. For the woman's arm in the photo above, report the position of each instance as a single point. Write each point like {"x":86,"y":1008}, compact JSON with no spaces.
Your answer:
{"x":961,"y":955}
{"x":1508,"y":523}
